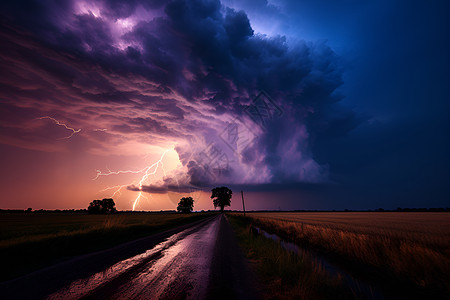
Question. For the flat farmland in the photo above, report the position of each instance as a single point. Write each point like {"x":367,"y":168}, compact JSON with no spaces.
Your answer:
{"x":409,"y":248}
{"x":21,"y":227}
{"x":421,"y":227}
{"x":29,"y":241}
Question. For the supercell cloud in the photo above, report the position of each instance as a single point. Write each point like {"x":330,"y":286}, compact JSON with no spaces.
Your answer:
{"x":179,"y":75}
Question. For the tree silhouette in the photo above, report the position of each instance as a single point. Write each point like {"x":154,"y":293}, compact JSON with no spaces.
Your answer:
{"x":221,"y":197}
{"x":108,"y":206}
{"x":105,"y":206}
{"x":185,"y":205}
{"x":95,"y":207}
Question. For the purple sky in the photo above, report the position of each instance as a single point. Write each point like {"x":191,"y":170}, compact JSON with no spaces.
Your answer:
{"x":148,"y":101}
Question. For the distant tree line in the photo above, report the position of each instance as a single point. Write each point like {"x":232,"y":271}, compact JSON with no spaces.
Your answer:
{"x":400,"y":209}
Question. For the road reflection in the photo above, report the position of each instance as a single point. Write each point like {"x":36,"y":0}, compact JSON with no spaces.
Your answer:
{"x":176,"y":268}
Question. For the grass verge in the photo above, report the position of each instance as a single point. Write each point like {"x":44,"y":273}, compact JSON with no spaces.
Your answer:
{"x":284,"y":274}
{"x":40,"y":240}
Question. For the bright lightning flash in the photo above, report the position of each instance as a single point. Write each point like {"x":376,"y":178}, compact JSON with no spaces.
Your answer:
{"x":147,"y":171}
{"x":62,"y":124}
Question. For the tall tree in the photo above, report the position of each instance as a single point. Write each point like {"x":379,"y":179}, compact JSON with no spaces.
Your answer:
{"x":108,"y":206}
{"x":95,"y":207}
{"x":221,"y":197}
{"x":186,"y":204}
{"x":105,"y":206}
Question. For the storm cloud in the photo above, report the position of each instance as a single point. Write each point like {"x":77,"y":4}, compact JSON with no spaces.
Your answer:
{"x":180,"y":72}
{"x":321,"y":101}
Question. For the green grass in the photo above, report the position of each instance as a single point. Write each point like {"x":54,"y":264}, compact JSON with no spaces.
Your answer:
{"x":32,"y":241}
{"x":284,"y":274}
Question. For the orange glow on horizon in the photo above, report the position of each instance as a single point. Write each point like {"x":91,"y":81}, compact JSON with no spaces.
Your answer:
{"x":151,"y":174}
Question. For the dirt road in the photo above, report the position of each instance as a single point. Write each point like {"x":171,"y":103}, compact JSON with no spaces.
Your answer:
{"x":199,"y":262}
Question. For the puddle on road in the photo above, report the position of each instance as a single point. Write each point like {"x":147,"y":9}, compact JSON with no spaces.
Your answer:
{"x":158,"y":267}
{"x":82,"y":287}
{"x":181,"y":267}
{"x":358,"y":287}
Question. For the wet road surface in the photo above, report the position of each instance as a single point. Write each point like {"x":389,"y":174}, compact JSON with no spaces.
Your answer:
{"x":200,"y":262}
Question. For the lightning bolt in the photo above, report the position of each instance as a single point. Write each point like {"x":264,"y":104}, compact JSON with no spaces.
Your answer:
{"x":117,"y":189}
{"x":100,"y":173}
{"x":147,"y":171}
{"x":62,"y":124}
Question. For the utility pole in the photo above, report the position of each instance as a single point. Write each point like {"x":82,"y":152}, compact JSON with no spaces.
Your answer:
{"x":243,"y":204}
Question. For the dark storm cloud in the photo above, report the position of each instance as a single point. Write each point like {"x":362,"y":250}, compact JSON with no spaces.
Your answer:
{"x":164,"y":72}
{"x":303,"y":78}
{"x":144,"y":125}
{"x":125,"y":8}
{"x":210,"y":56}
{"x":168,"y":184}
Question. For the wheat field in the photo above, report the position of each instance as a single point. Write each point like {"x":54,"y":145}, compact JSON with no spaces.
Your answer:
{"x":412,"y":246}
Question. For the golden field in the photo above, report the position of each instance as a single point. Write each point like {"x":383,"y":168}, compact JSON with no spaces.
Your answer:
{"x":411,"y":247}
